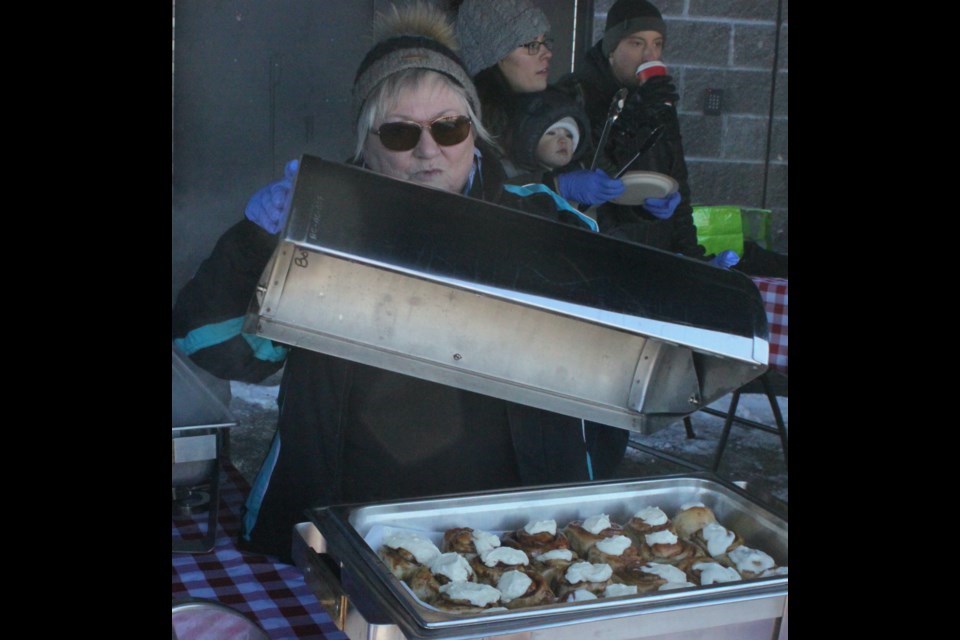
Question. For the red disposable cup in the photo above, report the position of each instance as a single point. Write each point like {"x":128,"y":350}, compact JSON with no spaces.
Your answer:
{"x":649,"y":69}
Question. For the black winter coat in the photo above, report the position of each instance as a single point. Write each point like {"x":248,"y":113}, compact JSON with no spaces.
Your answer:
{"x":351,"y":433}
{"x":595,"y":86}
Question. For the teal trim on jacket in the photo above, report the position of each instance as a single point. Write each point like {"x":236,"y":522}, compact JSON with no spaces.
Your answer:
{"x":214,"y":334}
{"x":561,"y":202}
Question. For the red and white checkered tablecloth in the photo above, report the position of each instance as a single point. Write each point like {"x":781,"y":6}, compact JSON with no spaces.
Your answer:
{"x":774,"y":294}
{"x":271,"y":593}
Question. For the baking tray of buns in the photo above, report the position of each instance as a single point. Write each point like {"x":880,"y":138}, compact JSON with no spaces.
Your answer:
{"x":371,"y":595}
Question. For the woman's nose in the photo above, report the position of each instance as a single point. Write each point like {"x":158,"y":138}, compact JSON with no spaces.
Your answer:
{"x":426,"y":147}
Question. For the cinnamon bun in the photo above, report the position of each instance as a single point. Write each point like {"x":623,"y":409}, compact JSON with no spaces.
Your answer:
{"x":489,"y":566}
{"x":665,"y":547}
{"x":650,"y":576}
{"x":524,"y":588}
{"x":692,"y":517}
{"x":536,"y":538}
{"x":750,"y":562}
{"x":469,"y":542}
{"x":617,"y":551}
{"x":644,"y":521}
{"x":584,"y":575}
{"x":405,"y":552}
{"x":710,"y":572}
{"x":583,"y":534}
{"x":467,"y":597}
{"x":716,"y":541}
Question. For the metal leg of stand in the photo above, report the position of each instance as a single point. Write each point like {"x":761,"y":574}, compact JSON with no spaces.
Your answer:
{"x":209,"y":541}
{"x":688,"y":426}
{"x":777,"y":416}
{"x":727,"y":424}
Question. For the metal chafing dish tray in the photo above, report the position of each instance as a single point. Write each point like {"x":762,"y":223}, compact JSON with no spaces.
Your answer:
{"x":505,"y":303}
{"x":367,"y":601}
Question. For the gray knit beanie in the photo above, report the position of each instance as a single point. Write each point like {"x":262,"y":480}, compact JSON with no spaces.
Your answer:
{"x":629,"y":16}
{"x":417,"y":36}
{"x":488,"y":30}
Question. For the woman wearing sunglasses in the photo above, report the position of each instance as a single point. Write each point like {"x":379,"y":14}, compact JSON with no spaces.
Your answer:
{"x":348,"y":432}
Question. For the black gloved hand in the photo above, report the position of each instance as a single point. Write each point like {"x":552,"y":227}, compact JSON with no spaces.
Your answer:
{"x":658,"y":90}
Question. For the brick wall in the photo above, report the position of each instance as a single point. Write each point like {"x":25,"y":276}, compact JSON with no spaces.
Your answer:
{"x":740,"y":156}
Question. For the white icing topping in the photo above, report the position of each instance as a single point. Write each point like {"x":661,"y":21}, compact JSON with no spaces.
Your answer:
{"x":505,"y":555}
{"x":713,"y":572}
{"x":748,"y":559}
{"x":661,"y":537}
{"x":596,"y":524}
{"x":550,"y":526}
{"x":580,"y":595}
{"x":718,"y":538}
{"x":588,"y":572}
{"x":776,"y":571}
{"x":477,"y":594}
{"x":556,"y":554}
{"x":513,"y":584}
{"x":484,"y":541}
{"x":453,"y":565}
{"x":422,"y":549}
{"x":675,"y":585}
{"x":666,"y":571}
{"x":614,"y":545}
{"x":614,"y":590}
{"x":652,"y":515}
{"x":691,"y":505}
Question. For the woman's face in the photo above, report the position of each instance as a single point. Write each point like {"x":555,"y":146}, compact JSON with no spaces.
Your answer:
{"x":555,"y":148}
{"x":527,"y":73}
{"x":634,"y":50}
{"x":428,"y":163}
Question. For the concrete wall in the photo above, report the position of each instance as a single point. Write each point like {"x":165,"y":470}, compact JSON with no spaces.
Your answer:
{"x":739,"y":46}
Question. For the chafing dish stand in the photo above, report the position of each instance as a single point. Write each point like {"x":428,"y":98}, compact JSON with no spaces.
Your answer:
{"x":199,"y":420}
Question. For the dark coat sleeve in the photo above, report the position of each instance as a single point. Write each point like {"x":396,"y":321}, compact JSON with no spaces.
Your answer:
{"x":209,"y":310}
{"x":677,"y":234}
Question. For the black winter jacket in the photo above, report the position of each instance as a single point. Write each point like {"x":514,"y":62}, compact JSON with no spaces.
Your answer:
{"x":351,"y":433}
{"x":595,"y":86}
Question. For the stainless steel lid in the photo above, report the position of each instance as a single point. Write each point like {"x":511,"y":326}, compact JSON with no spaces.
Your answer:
{"x":509,"y":304}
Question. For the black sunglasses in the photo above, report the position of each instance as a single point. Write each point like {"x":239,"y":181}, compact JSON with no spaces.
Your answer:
{"x":533,"y":48}
{"x":403,"y":136}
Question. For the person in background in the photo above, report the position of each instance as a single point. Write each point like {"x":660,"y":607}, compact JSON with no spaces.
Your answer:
{"x":349,"y":432}
{"x":635,"y":33}
{"x":506,"y":48}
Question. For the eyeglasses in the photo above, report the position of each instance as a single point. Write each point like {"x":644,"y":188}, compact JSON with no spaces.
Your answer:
{"x":403,"y":136}
{"x":533,"y":48}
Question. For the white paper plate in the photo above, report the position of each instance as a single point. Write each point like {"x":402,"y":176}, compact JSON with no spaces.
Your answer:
{"x":640,"y":185}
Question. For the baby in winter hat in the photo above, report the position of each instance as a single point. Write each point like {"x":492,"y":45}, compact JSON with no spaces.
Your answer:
{"x":549,"y":130}
{"x":557,"y":144}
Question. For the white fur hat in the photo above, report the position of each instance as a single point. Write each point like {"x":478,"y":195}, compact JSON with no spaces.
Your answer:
{"x":570,"y":125}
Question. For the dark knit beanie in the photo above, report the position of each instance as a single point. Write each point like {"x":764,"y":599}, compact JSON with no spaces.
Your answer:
{"x":629,"y":16}
{"x":537,"y":112}
{"x":488,"y":30}
{"x":416,"y":37}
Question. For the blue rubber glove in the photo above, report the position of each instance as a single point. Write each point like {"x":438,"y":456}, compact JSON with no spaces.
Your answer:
{"x":268,"y":206}
{"x":589,"y":187}
{"x":725,"y":259}
{"x":662,"y":208}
